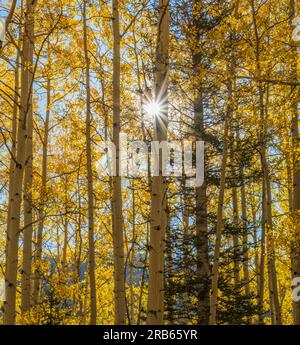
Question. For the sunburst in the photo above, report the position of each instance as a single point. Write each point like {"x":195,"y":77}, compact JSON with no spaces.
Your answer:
{"x":156,"y":107}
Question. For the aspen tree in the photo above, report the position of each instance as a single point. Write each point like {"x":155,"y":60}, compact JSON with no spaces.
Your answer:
{"x":16,"y":106}
{"x":28,"y":183}
{"x":91,"y":240}
{"x":203,"y":270}
{"x":43,"y":191}
{"x":294,"y":8}
{"x":216,"y":258}
{"x":28,"y":221}
{"x":78,"y":249}
{"x":267,"y":206}
{"x":227,"y":126}
{"x":244,"y":225}
{"x":185,"y":223}
{"x":132,"y":254}
{"x":117,"y":217}
{"x":267,"y":209}
{"x":158,"y":221}
{"x":13,"y":231}
{"x":262,"y":261}
{"x":245,"y":237}
{"x":143,"y":279}
{"x":14,"y":129}
{"x":256,"y":256}
{"x":170,"y":299}
{"x":65,"y":227}
{"x":236,"y":219}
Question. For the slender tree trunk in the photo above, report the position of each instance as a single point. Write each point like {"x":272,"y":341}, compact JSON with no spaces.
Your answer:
{"x":236,"y":245}
{"x":185,"y":223}
{"x":78,"y":251}
{"x":65,"y":228}
{"x":132,"y":255}
{"x":142,"y":284}
{"x":246,"y":278}
{"x":155,"y":310}
{"x":28,"y":221}
{"x":267,"y":207}
{"x":295,"y":255}
{"x":215,"y":270}
{"x":274,"y":295}
{"x":203,"y":271}
{"x":28,"y":179}
{"x":169,"y":273}
{"x":93,"y":297}
{"x":43,"y":193}
{"x":216,"y":259}
{"x":13,"y":231}
{"x":245,"y":238}
{"x":14,"y":131}
{"x":236,"y":219}
{"x":85,"y":302}
{"x":78,"y":246}
{"x":262,"y":261}
{"x":256,"y":258}
{"x":118,"y":237}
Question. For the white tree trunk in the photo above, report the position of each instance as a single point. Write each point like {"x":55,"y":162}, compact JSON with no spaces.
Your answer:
{"x":13,"y":231}
{"x":93,"y":296}
{"x":158,"y":220}
{"x":117,"y":217}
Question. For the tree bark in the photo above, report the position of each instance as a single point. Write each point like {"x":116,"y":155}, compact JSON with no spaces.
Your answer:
{"x":13,"y":231}
{"x":262,"y":261}
{"x":158,"y":222}
{"x":132,"y":255}
{"x":295,"y":250}
{"x":28,"y":179}
{"x":43,"y":193}
{"x":203,"y":270}
{"x":118,"y":236}
{"x":236,"y":219}
{"x":245,"y":237}
{"x":185,"y":223}
{"x":267,"y":205}
{"x":91,"y":253}
{"x":14,"y":133}
{"x":215,"y":269}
